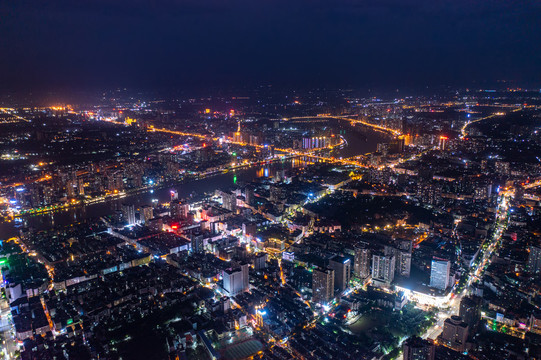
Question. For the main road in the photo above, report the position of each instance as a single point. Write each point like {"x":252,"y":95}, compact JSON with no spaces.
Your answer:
{"x":452,"y":307}
{"x":11,"y":112}
{"x":463,"y":130}
{"x":390,"y":131}
{"x":476,"y":272}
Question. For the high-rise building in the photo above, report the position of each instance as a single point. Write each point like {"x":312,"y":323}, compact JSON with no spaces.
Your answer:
{"x":225,"y":304}
{"x":470,"y":310}
{"x":362,"y":262}
{"x":397,"y":145}
{"x":245,"y":269}
{"x":322,"y":285}
{"x":383,"y":268}
{"x":502,"y":167}
{"x":197,"y":242}
{"x":317,"y":142}
{"x":455,"y":333}
{"x":404,"y":245}
{"x":534,"y":260}
{"x":429,"y":193}
{"x":277,"y":193}
{"x":249,"y":229}
{"x":416,"y":348}
{"x":443,"y":142}
{"x":249,"y":195}
{"x":383,"y":148}
{"x":401,"y":250}
{"x":236,"y":280}
{"x":204,"y":154}
{"x":128,"y":212}
{"x":439,"y":273}
{"x":229,"y":201}
{"x":260,"y":261}
{"x":70,"y":189}
{"x":484,"y":165}
{"x":535,"y":323}
{"x":342,"y":272}
{"x":147,"y":213}
{"x":403,"y":263}
{"x":48,"y":195}
{"x":118,"y":181}
{"x":81,"y":186}
{"x":405,"y":249}
{"x":184,"y":210}
{"x":178,"y":209}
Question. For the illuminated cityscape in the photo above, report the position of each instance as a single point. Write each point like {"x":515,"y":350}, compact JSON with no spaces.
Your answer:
{"x":202,"y":211}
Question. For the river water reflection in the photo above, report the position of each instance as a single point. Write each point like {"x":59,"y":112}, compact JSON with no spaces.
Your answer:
{"x":357,"y":144}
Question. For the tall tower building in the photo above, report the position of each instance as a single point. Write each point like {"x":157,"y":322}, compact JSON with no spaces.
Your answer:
{"x":260,"y":261}
{"x":198,"y":243}
{"x":128,"y":212}
{"x":443,"y":142}
{"x":229,"y":201}
{"x":534,"y":260}
{"x":236,"y":280}
{"x":402,"y":251}
{"x":249,"y":195}
{"x":439,"y":273}
{"x":147,"y":213}
{"x":81,"y":186}
{"x":470,"y":310}
{"x":342,"y":272}
{"x":245,"y":269}
{"x":277,"y":193}
{"x":70,"y":189}
{"x":455,"y":333}
{"x":383,"y":268}
{"x":178,"y":209}
{"x":416,"y":348}
{"x":403,"y":264}
{"x":502,"y":167}
{"x":362,"y":262}
{"x":405,"y":249}
{"x":322,"y":285}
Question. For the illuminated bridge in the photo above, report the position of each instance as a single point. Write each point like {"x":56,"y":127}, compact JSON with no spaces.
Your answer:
{"x":393,"y":132}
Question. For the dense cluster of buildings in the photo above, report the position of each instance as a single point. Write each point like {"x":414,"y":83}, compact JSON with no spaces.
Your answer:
{"x":429,"y":247}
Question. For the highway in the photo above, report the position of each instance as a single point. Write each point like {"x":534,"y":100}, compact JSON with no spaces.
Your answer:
{"x":11,"y":112}
{"x":464,"y":132}
{"x":533,"y":184}
{"x":393,"y":132}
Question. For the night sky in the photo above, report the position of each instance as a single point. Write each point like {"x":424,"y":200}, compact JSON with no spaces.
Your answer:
{"x":176,"y":43}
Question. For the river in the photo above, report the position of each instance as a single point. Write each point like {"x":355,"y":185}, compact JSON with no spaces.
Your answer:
{"x":358,"y":143}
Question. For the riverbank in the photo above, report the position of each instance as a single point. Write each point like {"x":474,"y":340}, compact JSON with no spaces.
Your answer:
{"x":207,"y":183}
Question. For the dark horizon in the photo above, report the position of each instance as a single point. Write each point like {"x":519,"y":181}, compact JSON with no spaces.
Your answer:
{"x":190,"y":45}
